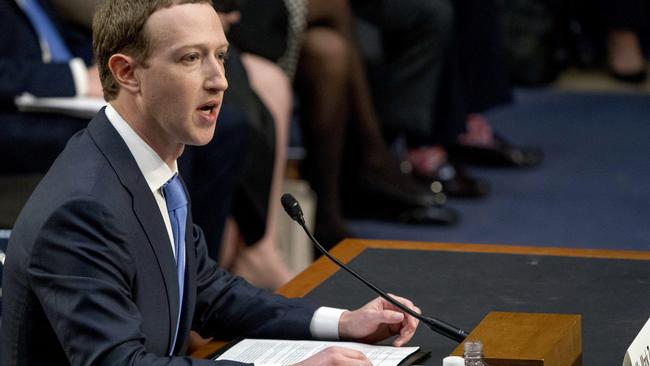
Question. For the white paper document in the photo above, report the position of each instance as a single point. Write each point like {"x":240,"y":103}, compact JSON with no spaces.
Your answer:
{"x":283,"y":352}
{"x":81,"y":107}
{"x":639,"y":351}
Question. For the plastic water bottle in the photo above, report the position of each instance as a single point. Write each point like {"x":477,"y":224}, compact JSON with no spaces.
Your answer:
{"x":474,"y":354}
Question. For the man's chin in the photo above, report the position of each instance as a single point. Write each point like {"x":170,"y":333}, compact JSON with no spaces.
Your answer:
{"x":198,"y":143}
{"x":202,"y":139}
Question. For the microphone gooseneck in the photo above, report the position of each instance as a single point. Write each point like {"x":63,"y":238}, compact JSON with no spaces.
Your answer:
{"x":292,"y":207}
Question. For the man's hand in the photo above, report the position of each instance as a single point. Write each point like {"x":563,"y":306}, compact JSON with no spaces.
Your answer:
{"x":335,"y":356}
{"x":378,"y":320}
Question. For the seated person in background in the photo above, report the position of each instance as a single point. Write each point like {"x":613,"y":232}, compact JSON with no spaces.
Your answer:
{"x":439,"y":66}
{"x":35,"y":60}
{"x":104,"y":265}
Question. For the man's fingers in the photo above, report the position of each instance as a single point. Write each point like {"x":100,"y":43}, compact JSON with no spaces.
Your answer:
{"x":404,"y":301}
{"x":410,"y":305}
{"x":412,"y":322}
{"x":345,"y":356}
{"x":403,"y":338}
{"x":409,"y":323}
{"x":390,"y":317}
{"x":352,"y":353}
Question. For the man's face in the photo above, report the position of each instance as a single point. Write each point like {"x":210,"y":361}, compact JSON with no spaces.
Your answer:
{"x":182,"y":86}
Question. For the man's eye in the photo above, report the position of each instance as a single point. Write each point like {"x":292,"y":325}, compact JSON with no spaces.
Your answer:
{"x":192,"y":57}
{"x":223,"y":55}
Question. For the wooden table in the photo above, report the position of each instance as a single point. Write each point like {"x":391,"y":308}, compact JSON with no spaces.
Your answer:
{"x":322,"y":269}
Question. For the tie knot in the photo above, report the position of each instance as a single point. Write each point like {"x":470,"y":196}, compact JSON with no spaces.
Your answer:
{"x":174,"y":193}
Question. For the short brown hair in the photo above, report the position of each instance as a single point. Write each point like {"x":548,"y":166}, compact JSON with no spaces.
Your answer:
{"x":118,"y":27}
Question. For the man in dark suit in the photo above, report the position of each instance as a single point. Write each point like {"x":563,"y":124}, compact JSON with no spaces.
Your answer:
{"x":104,"y":265}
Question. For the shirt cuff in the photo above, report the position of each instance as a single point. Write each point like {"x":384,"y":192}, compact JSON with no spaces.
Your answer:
{"x":79,"y":76}
{"x":325,"y":323}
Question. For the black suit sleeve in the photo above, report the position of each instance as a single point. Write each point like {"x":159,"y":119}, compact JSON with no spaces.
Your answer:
{"x":82,"y":273}
{"x":228,"y":306}
{"x":39,"y":79}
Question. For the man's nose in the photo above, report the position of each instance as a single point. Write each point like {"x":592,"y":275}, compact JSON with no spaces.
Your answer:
{"x":216,"y":77}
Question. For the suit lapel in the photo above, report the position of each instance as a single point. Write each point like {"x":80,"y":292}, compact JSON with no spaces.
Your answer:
{"x":144,"y":205}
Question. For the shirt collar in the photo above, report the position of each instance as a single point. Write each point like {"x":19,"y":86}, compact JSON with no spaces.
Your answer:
{"x":153,"y":168}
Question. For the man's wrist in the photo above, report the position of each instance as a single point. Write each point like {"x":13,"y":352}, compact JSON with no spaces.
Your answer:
{"x":343,"y":328}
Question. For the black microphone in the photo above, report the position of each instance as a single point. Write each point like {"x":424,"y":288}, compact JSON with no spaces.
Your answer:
{"x":292,"y":207}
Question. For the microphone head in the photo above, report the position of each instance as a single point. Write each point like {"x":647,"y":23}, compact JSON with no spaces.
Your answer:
{"x":292,"y":207}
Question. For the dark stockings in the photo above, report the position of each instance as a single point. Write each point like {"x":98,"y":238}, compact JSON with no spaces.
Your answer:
{"x":322,"y":82}
{"x":332,"y":81}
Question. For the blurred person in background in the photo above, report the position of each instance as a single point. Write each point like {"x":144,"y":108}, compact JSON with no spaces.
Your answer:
{"x":436,"y":67}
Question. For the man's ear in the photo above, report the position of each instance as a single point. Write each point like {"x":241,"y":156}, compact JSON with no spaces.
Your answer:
{"x":123,"y":69}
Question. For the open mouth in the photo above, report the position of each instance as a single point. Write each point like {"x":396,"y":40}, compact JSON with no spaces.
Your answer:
{"x":208,"y":107}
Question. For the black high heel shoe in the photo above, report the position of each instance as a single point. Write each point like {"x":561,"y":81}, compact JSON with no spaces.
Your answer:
{"x":501,"y":154}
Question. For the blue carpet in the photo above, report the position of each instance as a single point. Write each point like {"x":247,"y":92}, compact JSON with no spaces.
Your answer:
{"x":592,"y":191}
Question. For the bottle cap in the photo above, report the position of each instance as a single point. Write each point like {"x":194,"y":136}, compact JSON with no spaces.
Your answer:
{"x":473,"y":347}
{"x":453,"y":361}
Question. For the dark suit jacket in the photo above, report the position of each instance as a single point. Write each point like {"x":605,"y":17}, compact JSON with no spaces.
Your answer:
{"x":90,"y":277}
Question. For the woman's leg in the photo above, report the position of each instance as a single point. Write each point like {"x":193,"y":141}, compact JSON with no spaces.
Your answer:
{"x":337,"y":16}
{"x":261,"y":262}
{"x":321,"y":78}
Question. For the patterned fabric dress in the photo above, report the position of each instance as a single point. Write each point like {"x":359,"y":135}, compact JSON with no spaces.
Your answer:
{"x":297,"y":13}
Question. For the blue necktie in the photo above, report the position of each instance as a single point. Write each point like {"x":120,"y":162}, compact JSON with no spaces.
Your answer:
{"x":46,"y":31}
{"x":177,"y":209}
